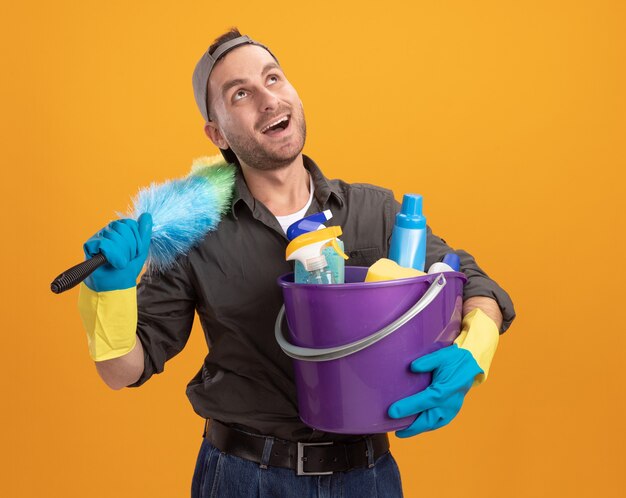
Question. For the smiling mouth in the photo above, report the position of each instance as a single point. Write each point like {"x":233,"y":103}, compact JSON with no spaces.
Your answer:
{"x":277,"y":126}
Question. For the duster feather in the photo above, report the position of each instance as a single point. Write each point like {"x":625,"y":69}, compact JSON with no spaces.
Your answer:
{"x":184,"y":210}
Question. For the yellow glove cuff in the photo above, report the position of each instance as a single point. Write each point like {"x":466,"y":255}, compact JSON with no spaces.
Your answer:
{"x":480,"y":336}
{"x":110,"y":320}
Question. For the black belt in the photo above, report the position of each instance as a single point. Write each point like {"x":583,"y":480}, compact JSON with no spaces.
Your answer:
{"x":305,"y":458}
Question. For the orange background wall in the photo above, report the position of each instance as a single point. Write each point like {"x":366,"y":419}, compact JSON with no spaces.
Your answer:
{"x":508,"y":116}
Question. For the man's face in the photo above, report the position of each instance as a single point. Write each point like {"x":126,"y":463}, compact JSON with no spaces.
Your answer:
{"x":248,"y":92}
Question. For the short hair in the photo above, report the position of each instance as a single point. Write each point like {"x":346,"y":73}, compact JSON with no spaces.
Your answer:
{"x":229,"y":35}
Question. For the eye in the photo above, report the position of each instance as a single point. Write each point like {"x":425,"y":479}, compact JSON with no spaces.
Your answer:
{"x":274,"y":77}
{"x":239,"y":94}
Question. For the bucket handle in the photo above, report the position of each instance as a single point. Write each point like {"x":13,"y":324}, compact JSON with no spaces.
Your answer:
{"x":334,"y":353}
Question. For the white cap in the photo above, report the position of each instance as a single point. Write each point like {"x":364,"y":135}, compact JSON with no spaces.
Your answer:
{"x":439,"y":267}
{"x":315,"y":263}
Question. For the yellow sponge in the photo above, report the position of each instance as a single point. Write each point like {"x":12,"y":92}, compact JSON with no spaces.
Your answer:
{"x":386,"y":269}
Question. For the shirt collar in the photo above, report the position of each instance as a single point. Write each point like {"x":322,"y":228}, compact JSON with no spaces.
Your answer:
{"x":323,"y":188}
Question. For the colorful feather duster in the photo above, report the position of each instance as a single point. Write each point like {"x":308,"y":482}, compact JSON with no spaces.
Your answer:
{"x":183,"y":211}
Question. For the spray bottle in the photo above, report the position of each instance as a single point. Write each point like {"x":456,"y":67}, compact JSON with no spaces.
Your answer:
{"x":408,"y":238}
{"x":311,"y":223}
{"x":307,"y":249}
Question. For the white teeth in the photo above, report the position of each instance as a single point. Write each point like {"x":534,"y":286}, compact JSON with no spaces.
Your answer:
{"x":273,"y":124}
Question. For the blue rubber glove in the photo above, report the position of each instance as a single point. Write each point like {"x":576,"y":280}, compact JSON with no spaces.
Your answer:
{"x":125,"y":244}
{"x":453,"y":370}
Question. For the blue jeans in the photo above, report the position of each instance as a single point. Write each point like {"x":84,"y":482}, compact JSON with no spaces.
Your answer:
{"x":219,"y":475}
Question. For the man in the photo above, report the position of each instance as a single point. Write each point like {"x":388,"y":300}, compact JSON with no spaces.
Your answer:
{"x":245,"y":388}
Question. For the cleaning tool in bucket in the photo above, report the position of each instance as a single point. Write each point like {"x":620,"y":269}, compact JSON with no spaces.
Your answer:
{"x":408,"y":237}
{"x":352,"y":344}
{"x":183,"y":211}
{"x":309,"y":223}
{"x":308,"y":250}
{"x":451,"y":262}
{"x":312,"y":223}
{"x":385,"y":269}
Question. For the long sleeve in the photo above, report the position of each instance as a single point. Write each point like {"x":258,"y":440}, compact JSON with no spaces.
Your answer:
{"x":478,"y":282}
{"x":165,"y":306}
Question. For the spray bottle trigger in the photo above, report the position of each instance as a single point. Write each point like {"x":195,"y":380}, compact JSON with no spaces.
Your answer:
{"x":335,"y":246}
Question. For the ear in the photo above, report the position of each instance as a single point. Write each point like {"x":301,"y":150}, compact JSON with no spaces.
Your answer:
{"x":213,"y":132}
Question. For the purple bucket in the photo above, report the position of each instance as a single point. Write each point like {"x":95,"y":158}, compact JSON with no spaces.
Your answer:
{"x":352,"y":344}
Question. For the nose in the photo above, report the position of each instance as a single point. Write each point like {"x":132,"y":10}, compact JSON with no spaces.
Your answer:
{"x":268,"y":100}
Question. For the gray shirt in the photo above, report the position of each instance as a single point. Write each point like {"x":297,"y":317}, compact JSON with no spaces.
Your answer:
{"x":229,"y":279}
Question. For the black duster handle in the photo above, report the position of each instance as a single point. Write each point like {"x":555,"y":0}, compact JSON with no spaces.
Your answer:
{"x":76,"y":274}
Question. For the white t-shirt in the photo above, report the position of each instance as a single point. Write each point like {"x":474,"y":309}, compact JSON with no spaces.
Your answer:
{"x":287,"y":220}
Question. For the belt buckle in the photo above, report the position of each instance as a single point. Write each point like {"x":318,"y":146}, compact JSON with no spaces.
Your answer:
{"x":300,"y":461}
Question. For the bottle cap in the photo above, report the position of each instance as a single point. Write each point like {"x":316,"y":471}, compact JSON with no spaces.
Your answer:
{"x":452,"y":260}
{"x":315,"y":263}
{"x":410,"y":215}
{"x":439,"y":267}
{"x":309,"y":224}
